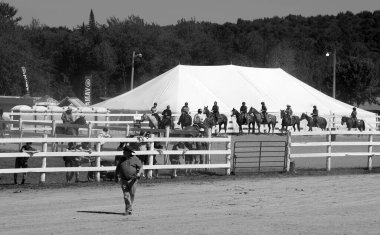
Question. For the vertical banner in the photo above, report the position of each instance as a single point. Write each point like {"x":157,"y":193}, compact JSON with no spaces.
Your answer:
{"x":23,"y":69}
{"x":87,"y":90}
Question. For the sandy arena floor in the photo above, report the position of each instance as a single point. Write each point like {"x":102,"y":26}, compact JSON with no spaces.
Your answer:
{"x":334,"y":204}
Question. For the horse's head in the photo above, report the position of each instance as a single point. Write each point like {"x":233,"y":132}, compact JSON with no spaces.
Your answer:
{"x":303,"y":116}
{"x":81,"y":120}
{"x":344,"y":120}
{"x":205,"y":110}
{"x":234,"y":112}
{"x":144,"y":117}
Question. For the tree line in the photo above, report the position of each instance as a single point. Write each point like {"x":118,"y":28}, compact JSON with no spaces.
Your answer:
{"x":58,"y":58}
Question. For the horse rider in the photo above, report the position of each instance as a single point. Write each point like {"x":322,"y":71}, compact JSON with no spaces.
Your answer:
{"x":67,"y":116}
{"x":185,"y":108}
{"x":288,"y":111}
{"x":154,"y":112}
{"x":154,"y":108}
{"x":353,"y":116}
{"x":215,"y":110}
{"x":243,"y":111}
{"x":314,"y":114}
{"x":199,"y":118}
{"x":264,"y":112}
{"x":167,"y":113}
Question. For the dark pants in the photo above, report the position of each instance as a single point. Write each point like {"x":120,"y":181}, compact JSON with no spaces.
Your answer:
{"x":129,"y":190}
{"x":20,"y":162}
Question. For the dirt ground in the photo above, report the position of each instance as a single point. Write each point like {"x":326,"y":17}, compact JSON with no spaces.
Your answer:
{"x":280,"y":204}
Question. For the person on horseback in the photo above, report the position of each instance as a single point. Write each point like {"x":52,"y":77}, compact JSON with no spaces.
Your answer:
{"x":243,"y":112}
{"x":264,"y":112}
{"x":288,"y":112}
{"x":199,"y":118}
{"x":154,"y":108}
{"x":167,"y":113}
{"x":185,"y":108}
{"x":67,"y":116}
{"x":353,"y":116}
{"x":154,"y":112}
{"x":314,"y":114}
{"x":215,"y":110}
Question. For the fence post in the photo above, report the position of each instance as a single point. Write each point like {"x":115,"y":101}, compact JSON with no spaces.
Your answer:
{"x":97,"y":161}
{"x":128,"y":130}
{"x":228,"y":156}
{"x":12,"y":118}
{"x":43,"y":165}
{"x":370,"y":139}
{"x":89,"y":129}
{"x":328,"y":158}
{"x":20,"y":129}
{"x":107,"y":118}
{"x":209,"y":135}
{"x":151,"y":148}
{"x":167,"y":133}
{"x":288,"y":149}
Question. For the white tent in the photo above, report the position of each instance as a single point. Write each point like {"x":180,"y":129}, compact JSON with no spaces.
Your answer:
{"x":229,"y":85}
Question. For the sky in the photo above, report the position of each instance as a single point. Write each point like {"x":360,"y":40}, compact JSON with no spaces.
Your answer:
{"x":72,"y":13}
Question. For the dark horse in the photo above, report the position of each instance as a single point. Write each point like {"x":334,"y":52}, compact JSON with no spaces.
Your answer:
{"x":321,"y":122}
{"x":350,"y":123}
{"x":211,"y":119}
{"x":259,"y":120}
{"x":240,"y":121}
{"x":185,"y":120}
{"x":71,"y":130}
{"x":287,"y":121}
{"x":159,"y":123}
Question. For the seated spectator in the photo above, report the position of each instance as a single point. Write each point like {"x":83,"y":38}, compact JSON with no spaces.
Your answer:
{"x":22,"y":162}
{"x":104,"y":134}
{"x":85,"y":147}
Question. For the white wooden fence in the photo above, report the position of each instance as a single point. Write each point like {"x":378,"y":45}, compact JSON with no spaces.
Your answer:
{"x":45,"y":153}
{"x":330,"y":143}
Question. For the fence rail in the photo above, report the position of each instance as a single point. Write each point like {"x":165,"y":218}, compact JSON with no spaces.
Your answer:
{"x":98,"y":154}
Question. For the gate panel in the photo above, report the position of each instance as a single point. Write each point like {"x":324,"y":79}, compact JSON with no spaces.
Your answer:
{"x":259,"y":156}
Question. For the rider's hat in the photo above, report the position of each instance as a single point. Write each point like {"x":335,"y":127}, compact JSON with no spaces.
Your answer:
{"x":288,"y":105}
{"x":314,"y":106}
{"x":186,"y":103}
{"x":199,"y":110}
{"x":243,"y":102}
{"x":262,"y":103}
{"x":354,"y":108}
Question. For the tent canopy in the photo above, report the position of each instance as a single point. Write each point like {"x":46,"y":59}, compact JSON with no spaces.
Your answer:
{"x":229,"y":85}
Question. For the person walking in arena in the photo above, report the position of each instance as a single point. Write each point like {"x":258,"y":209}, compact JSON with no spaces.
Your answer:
{"x":167,"y":112}
{"x":243,"y":111}
{"x":128,"y":170}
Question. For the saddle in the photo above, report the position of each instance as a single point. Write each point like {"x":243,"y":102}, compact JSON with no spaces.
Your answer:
{"x":266,"y":119}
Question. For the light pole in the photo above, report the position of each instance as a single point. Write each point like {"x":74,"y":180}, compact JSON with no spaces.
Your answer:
{"x":334,"y":69}
{"x":134,"y":55}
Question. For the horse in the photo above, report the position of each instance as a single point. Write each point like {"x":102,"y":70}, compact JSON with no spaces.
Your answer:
{"x":185,"y":120}
{"x":259,"y":120}
{"x":71,"y":130}
{"x":155,"y":123}
{"x":240,"y":121}
{"x":350,"y":123}
{"x":321,"y":122}
{"x":286,"y":121}
{"x":210,"y":120}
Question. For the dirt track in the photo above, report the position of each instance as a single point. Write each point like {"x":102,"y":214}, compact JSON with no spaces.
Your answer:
{"x":343,"y":204}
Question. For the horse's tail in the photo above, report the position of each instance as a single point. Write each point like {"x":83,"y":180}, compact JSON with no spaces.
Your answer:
{"x":363,"y":125}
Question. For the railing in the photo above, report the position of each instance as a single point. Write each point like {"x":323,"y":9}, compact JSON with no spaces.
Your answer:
{"x":98,"y":154}
{"x":330,"y":143}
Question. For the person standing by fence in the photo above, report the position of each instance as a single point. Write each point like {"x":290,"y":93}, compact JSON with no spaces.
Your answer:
{"x":72,"y":161}
{"x":22,"y":162}
{"x":174,"y":159}
{"x":128,"y":170}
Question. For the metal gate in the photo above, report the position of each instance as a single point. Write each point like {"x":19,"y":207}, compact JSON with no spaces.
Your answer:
{"x":259,"y":156}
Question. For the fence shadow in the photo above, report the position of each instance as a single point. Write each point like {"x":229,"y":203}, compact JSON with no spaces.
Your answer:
{"x":102,"y":212}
